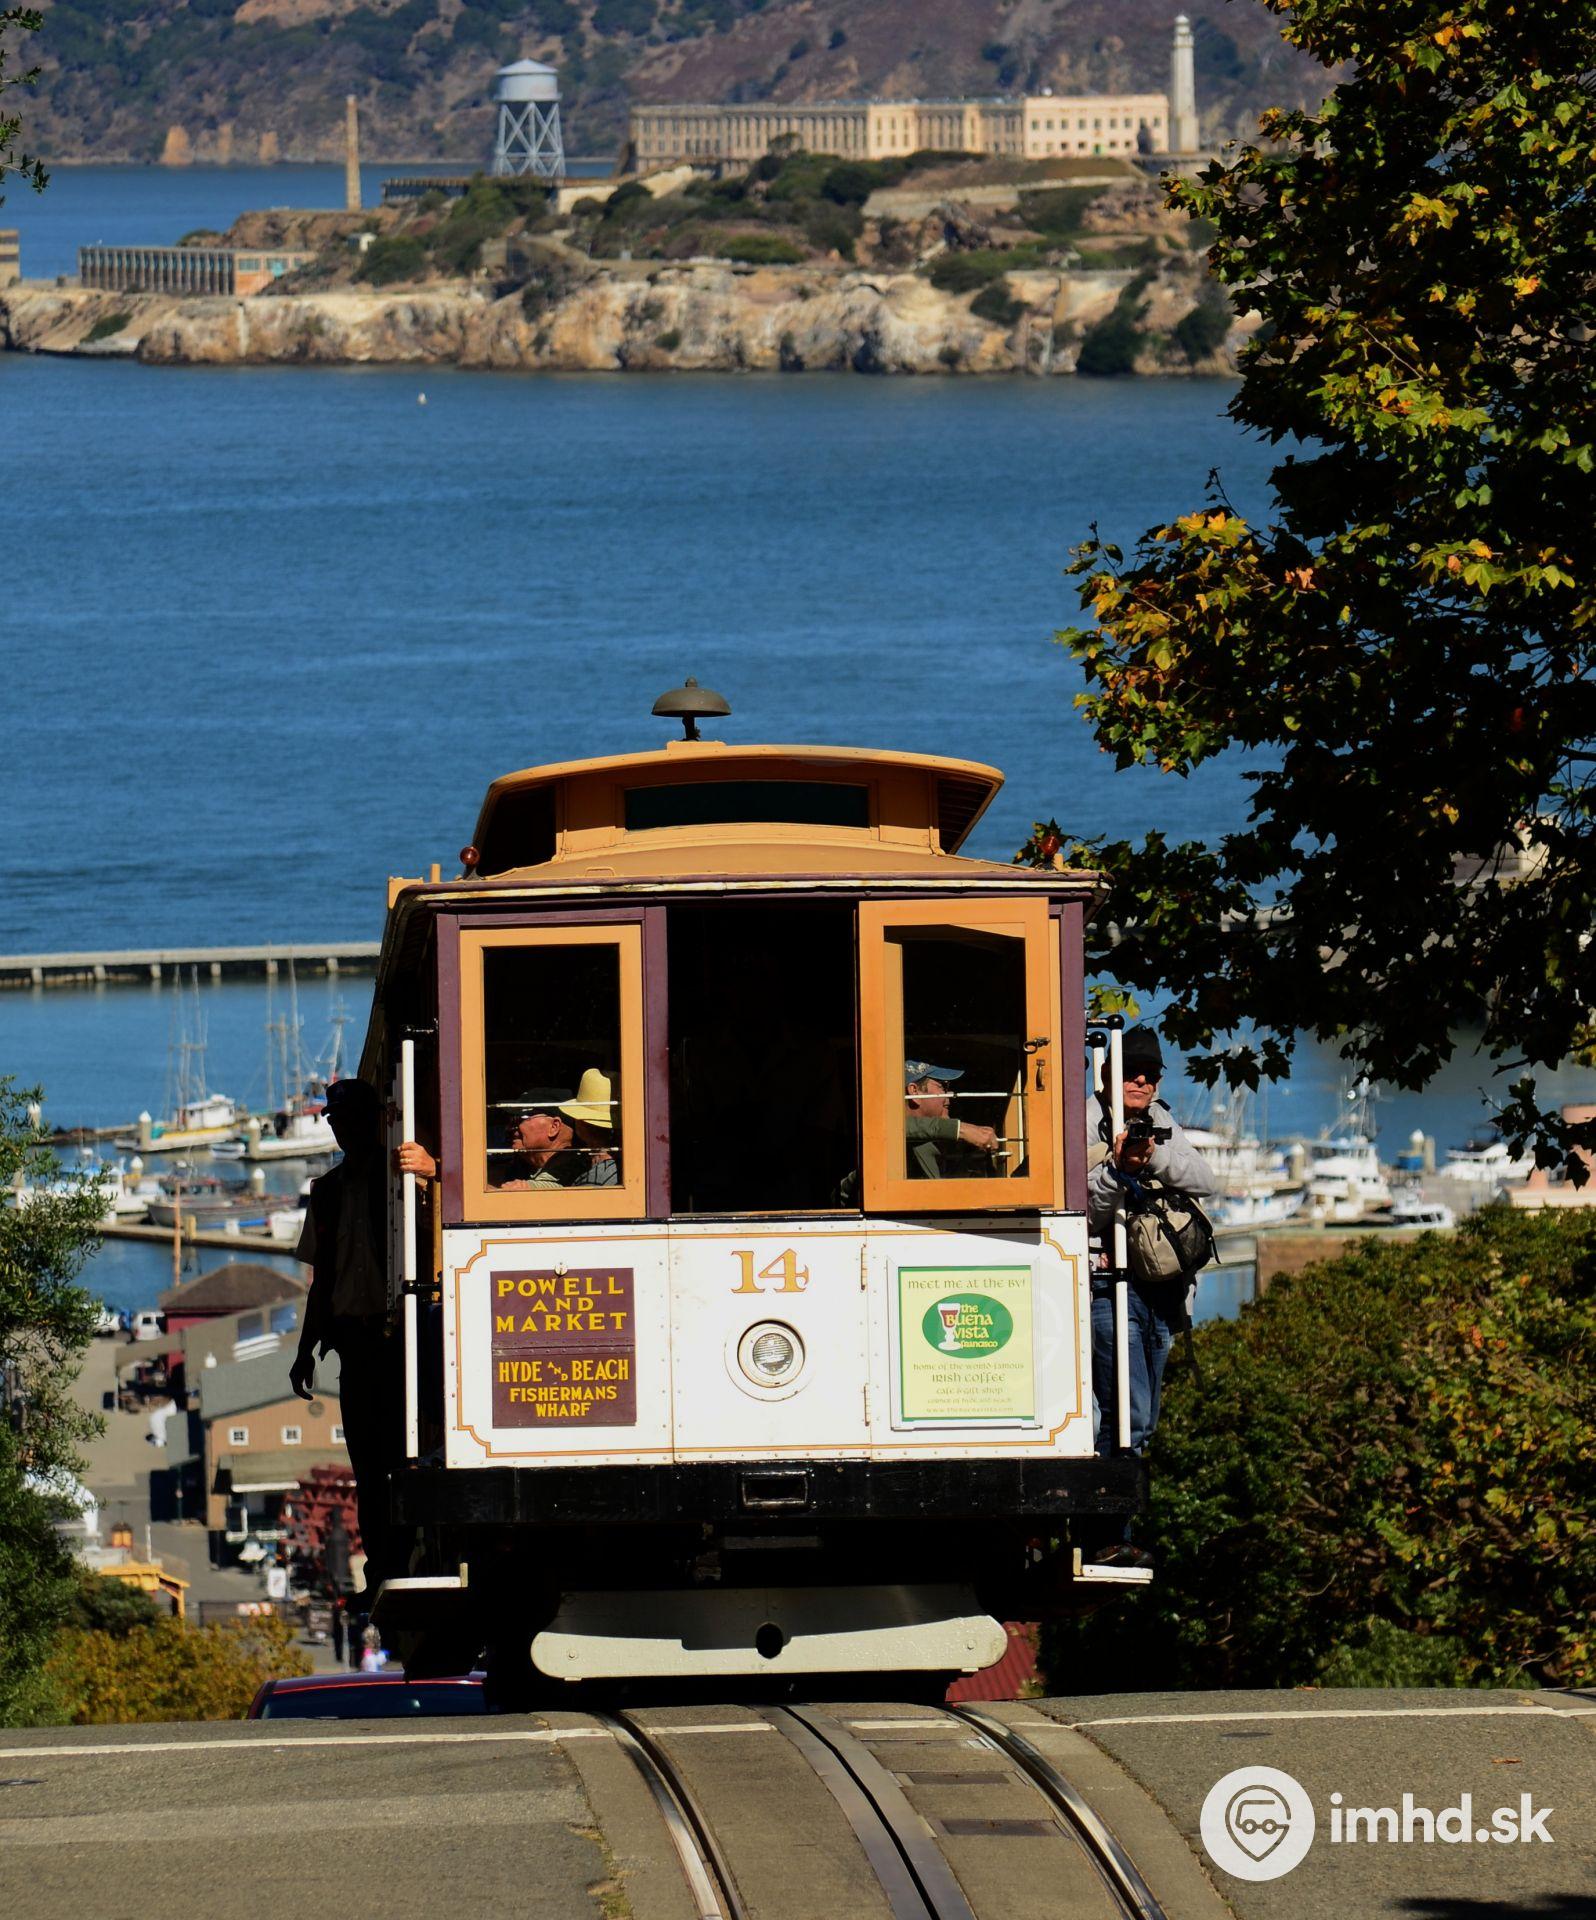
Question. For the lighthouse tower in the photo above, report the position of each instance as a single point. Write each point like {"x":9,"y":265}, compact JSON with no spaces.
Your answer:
{"x":1183,"y":134}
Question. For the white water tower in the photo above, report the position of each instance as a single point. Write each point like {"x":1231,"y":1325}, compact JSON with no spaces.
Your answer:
{"x":527,"y":139}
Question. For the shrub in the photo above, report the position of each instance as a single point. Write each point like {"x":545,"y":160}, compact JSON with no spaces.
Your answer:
{"x":105,"y":326}
{"x":669,"y":340}
{"x":1057,"y":210}
{"x":838,"y":39}
{"x":967,"y":272}
{"x":104,"y":1605}
{"x":1384,"y":1477}
{"x":633,"y":17}
{"x":852,"y":183}
{"x":401,"y":257}
{"x":831,"y":229}
{"x":169,"y":1671}
{"x":1110,"y":346}
{"x":758,"y":249}
{"x":1205,"y":329}
{"x":995,"y":303}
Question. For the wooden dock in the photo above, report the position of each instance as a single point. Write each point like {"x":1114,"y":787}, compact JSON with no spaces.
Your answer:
{"x":201,"y":1237}
{"x":153,"y":964}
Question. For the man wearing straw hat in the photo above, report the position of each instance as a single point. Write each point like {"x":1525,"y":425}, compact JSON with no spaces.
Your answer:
{"x":566,"y":1139}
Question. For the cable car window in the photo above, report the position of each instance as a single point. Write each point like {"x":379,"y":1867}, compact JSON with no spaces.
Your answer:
{"x":763,"y":1080}
{"x":956,"y":1014}
{"x":552,"y":1065}
{"x":807,"y":803}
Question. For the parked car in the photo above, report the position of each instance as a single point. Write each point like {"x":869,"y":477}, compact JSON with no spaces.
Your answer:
{"x":148,"y":1324}
{"x":366,"y":1696}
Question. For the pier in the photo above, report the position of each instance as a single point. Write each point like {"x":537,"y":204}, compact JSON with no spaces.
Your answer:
{"x":138,"y":964}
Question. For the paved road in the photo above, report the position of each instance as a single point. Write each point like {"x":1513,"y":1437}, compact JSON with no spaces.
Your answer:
{"x":544,"y":1815}
{"x":1371,"y":1748}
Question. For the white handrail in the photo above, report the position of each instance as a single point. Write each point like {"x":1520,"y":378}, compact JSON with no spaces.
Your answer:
{"x":407,"y":1131}
{"x":1116,"y":1126}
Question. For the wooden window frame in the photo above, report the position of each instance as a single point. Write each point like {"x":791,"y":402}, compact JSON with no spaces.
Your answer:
{"x":886,"y":1186}
{"x":474,"y":1199}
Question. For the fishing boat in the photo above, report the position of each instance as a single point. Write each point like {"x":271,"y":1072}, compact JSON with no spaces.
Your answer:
{"x":296,"y":1126}
{"x":1486,"y":1161}
{"x":1260,"y":1203}
{"x":127,"y":1193}
{"x":1344,"y":1177}
{"x":1411,"y":1209}
{"x":201,"y":1200}
{"x":195,"y":1116}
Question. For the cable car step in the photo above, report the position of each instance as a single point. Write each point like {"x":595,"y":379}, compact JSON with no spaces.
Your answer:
{"x":1109,"y":1574}
{"x":768,"y":1630}
{"x":419,"y":1601}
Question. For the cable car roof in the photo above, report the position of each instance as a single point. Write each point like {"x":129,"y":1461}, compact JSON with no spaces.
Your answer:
{"x":707,"y":791}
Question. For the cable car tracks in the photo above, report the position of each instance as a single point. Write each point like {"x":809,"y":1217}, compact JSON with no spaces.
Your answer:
{"x":1026,"y":1840}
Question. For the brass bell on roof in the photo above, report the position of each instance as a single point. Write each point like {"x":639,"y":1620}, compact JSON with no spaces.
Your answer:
{"x":688,"y":702}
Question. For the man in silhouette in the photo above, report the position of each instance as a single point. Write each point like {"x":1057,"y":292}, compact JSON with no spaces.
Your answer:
{"x":344,"y":1243}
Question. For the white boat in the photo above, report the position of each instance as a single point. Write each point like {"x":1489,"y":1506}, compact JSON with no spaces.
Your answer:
{"x":1411,"y":1209}
{"x":1486,"y":1162}
{"x":295,"y":1128}
{"x":1344,"y":1175}
{"x":195,"y":1117}
{"x":1236,"y":1155}
{"x":1259,"y":1204}
{"x":127,"y":1193}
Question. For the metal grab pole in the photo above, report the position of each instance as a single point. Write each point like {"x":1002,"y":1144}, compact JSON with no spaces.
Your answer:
{"x":407,"y":1131}
{"x":1116,"y":1126}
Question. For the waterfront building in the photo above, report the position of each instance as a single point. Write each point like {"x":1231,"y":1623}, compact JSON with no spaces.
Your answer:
{"x":237,"y":1286}
{"x":191,"y":270}
{"x":1030,"y":126}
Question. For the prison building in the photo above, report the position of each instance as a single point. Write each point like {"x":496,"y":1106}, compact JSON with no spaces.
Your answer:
{"x":1033,"y":126}
{"x":10,"y":257}
{"x":193,"y":270}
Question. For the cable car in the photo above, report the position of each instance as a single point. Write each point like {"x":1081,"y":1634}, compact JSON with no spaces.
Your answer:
{"x":746,"y":1326}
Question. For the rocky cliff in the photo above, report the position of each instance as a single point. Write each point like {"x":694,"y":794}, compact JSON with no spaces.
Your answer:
{"x":694,"y":317}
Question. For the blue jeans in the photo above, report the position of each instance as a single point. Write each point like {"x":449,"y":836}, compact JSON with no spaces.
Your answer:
{"x":1154,"y":1316}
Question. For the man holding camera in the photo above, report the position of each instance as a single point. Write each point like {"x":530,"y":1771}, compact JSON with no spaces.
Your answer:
{"x":1150,"y":1155}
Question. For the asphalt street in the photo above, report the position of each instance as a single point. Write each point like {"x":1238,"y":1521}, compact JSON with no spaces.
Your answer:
{"x":544,"y":1815}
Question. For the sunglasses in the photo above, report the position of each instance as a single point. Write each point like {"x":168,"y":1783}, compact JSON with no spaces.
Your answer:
{"x":1151,"y":1079}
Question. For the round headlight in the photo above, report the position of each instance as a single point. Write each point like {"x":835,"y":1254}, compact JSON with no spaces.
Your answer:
{"x":770,"y":1354}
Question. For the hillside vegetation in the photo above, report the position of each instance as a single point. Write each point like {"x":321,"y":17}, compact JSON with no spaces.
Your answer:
{"x":247,"y":79}
{"x":1382,"y":1479}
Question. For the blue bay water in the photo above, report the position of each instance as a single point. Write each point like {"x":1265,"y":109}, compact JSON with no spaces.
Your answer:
{"x":269,"y":632}
{"x":91,"y":206}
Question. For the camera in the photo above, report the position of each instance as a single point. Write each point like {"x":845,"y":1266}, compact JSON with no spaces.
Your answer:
{"x":1141,"y":1128}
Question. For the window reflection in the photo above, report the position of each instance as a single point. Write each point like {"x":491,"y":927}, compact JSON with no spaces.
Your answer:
{"x":552,"y":1032}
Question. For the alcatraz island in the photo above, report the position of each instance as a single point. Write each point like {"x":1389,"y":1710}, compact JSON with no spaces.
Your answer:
{"x":1025,"y":233}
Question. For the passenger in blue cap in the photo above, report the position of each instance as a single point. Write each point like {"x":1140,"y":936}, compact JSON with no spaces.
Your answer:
{"x":928,"y":1125}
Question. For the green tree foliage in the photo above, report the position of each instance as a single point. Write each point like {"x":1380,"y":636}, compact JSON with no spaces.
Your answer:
{"x":46,"y":1321}
{"x":1407,"y":644}
{"x":386,"y":261}
{"x":967,"y":272}
{"x":168,"y":1671}
{"x":17,"y":20}
{"x":106,"y":1605}
{"x":997,"y":304}
{"x":1384,"y":1477}
{"x":1205,"y":329}
{"x":758,"y":249}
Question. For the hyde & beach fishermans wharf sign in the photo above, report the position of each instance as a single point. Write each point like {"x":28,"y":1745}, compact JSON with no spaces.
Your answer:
{"x":564,"y":1348}
{"x":966,"y":1350}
